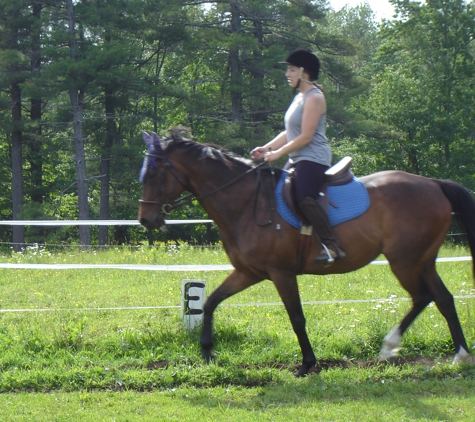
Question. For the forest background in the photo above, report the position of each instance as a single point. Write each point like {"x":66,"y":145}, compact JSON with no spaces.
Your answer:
{"x":80,"y":80}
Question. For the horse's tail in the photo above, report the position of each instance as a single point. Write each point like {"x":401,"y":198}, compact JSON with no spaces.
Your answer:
{"x":463,"y":207}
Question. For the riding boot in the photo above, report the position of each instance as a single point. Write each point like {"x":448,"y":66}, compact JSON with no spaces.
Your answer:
{"x":318,"y":218}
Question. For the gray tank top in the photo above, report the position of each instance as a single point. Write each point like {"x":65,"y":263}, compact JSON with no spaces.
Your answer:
{"x":317,"y":150}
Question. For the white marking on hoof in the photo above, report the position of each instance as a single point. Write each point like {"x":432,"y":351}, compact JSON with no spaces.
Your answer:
{"x":463,"y":357}
{"x":391,"y":344}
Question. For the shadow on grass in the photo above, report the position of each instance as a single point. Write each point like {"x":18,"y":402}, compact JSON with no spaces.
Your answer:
{"x":406,"y":389}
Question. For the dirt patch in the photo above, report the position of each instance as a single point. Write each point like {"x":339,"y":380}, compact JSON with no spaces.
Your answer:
{"x":326,"y":364}
{"x":158,"y":364}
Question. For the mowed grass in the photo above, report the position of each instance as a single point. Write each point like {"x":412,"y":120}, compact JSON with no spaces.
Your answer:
{"x":102,"y":344}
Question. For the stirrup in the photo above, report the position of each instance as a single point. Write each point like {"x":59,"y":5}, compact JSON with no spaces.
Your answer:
{"x":329,"y":256}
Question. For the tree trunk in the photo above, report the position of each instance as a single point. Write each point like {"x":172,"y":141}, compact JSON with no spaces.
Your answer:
{"x":235,"y":66}
{"x":111,"y":136}
{"x":18,"y":237}
{"x":35,"y":142}
{"x":17,"y":179}
{"x":76,"y":95}
{"x":257,"y":73}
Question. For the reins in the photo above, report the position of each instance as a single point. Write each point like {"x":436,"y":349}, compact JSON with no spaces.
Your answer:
{"x":188,"y":199}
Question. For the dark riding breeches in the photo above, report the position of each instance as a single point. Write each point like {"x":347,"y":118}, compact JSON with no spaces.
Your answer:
{"x":308,"y":179}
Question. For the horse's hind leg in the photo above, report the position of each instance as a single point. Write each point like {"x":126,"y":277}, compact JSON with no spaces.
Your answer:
{"x":426,"y":288}
{"x":446,"y":305}
{"x":412,"y":280}
{"x":392,"y":341}
{"x":234,"y":283}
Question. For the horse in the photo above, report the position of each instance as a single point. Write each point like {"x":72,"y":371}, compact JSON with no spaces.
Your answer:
{"x":407,"y":221}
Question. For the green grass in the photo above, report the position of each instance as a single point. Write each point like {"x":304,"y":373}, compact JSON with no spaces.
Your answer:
{"x":64,"y":361}
{"x":333,"y":396}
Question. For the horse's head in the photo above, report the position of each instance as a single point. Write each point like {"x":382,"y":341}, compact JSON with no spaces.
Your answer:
{"x":160,"y":183}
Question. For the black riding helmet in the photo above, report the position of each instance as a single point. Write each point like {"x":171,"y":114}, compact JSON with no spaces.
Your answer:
{"x":306,"y":59}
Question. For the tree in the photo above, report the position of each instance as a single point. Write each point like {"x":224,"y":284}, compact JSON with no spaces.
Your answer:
{"x":354,"y":34}
{"x":233,"y":81}
{"x":77,"y":87}
{"x":14,"y":63}
{"x":425,"y":69}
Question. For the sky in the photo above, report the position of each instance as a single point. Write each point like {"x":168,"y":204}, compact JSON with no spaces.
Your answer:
{"x":381,"y":8}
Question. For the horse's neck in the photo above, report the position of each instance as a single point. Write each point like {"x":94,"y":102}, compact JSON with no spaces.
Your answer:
{"x":225,"y":196}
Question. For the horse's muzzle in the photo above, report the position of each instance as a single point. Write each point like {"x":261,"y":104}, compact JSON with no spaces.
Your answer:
{"x":152,"y":224}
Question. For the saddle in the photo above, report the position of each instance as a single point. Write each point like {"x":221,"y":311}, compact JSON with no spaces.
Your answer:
{"x":337,"y":175}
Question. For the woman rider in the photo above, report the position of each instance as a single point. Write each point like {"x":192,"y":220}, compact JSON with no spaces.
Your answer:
{"x":305,"y":142}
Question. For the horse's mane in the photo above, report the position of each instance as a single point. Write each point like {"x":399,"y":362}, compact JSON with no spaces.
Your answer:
{"x":180,"y":137}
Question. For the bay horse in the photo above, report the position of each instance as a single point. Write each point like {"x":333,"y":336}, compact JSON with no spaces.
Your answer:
{"x":407,"y":221}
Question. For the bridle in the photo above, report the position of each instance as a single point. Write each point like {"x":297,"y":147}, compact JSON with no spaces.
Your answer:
{"x":167,"y":209}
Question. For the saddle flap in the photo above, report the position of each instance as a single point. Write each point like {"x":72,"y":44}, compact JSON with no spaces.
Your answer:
{"x":340,"y":173}
{"x":289,"y":197}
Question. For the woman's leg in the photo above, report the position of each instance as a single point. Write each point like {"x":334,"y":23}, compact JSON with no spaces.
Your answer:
{"x":308,"y":179}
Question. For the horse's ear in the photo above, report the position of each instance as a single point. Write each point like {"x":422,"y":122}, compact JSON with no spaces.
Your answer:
{"x":152,"y":140}
{"x":157,"y":142}
{"x":155,"y":137}
{"x":147,"y":139}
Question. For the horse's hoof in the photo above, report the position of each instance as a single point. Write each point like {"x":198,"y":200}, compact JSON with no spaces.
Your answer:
{"x":209,"y":357}
{"x":305,"y":370}
{"x":463,"y":357}
{"x":390,"y":359}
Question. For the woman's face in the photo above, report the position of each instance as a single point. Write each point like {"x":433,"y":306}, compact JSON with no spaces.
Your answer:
{"x":292,"y":75}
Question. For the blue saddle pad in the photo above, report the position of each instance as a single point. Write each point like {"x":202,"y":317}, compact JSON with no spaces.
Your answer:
{"x":351,"y":200}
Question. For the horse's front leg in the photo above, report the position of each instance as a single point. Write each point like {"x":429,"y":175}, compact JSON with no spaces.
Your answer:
{"x":287,"y":287}
{"x":234,"y":283}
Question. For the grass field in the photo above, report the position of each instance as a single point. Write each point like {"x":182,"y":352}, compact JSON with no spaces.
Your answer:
{"x":75,"y":356}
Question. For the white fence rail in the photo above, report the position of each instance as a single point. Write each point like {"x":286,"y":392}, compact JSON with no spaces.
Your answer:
{"x":180,"y":268}
{"x":91,"y":222}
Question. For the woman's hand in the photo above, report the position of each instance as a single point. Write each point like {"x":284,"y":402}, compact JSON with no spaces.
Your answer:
{"x":272,"y":156}
{"x":258,"y":153}
{"x":277,"y":143}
